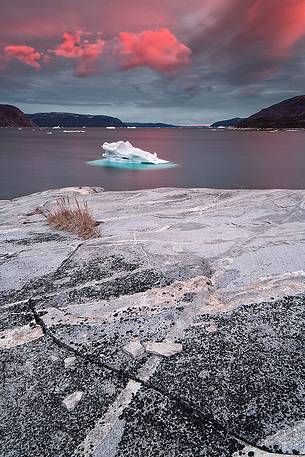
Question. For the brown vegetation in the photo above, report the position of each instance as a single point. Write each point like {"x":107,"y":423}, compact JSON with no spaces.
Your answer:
{"x":74,"y":217}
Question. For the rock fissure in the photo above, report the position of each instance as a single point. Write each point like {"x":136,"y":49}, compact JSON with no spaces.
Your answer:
{"x":196,"y":416}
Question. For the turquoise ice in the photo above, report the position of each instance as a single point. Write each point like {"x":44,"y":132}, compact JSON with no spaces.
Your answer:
{"x":136,"y":166}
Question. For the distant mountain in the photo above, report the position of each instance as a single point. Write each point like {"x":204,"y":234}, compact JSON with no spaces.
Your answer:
{"x":227,"y":122}
{"x":289,"y":113}
{"x":10,"y":116}
{"x":149,"y":125}
{"x":74,"y":120}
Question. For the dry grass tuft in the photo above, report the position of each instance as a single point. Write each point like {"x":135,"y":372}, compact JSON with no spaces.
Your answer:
{"x":74,"y":217}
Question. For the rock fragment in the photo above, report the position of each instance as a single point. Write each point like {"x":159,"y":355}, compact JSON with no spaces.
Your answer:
{"x":165,"y":349}
{"x":69,"y":362}
{"x":135,"y":349}
{"x":71,"y":401}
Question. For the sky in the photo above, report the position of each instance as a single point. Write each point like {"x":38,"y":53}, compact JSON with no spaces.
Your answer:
{"x":179,"y":61}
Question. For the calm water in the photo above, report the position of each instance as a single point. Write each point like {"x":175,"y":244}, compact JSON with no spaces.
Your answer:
{"x":31,"y":161}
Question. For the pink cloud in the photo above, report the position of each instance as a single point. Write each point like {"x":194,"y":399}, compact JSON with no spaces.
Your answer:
{"x":157,"y":49}
{"x":77,"y":46}
{"x":25,"y":54}
{"x":240,"y":38}
{"x":279,"y":24}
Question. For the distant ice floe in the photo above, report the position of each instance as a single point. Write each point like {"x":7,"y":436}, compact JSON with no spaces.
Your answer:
{"x":124,"y":151}
{"x":74,"y":131}
{"x":49,"y":133}
{"x":111,"y":128}
{"x":57,"y":127}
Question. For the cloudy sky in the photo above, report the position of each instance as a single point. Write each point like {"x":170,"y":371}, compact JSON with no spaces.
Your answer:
{"x":180,"y":61}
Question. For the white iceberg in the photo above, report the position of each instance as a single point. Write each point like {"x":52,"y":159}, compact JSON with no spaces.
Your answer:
{"x":123,"y":151}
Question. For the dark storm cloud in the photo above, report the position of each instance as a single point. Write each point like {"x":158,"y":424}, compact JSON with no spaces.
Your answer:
{"x":251,"y":39}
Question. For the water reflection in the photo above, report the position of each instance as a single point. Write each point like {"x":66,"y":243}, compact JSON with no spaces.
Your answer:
{"x":130,"y":165}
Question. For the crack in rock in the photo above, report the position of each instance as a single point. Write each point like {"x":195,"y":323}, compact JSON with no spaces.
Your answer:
{"x":198,"y":416}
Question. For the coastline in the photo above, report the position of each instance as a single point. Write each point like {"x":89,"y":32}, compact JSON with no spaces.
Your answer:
{"x":220,"y":272}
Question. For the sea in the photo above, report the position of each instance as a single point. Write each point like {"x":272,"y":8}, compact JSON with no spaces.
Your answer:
{"x":33,"y":160}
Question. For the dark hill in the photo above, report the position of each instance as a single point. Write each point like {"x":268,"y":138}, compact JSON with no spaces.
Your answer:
{"x":227,"y":122}
{"x":74,"y":120}
{"x":10,"y":116}
{"x":289,"y":113}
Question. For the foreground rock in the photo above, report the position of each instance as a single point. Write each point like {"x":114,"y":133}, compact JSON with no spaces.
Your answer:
{"x":212,"y":279}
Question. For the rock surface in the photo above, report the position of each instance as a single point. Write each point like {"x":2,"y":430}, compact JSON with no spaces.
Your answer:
{"x":219,"y":273}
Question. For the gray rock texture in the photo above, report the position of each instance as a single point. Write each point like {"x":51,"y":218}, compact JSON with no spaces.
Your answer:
{"x":214,"y":279}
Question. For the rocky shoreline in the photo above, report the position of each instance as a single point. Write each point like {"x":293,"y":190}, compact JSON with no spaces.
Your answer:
{"x":177,"y":332}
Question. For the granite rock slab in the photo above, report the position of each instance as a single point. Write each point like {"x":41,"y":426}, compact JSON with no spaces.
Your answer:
{"x":214,"y":279}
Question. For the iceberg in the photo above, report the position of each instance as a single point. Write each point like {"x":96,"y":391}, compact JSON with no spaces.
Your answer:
{"x":123,"y":151}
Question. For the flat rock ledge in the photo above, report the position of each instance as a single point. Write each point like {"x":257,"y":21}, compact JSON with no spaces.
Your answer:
{"x":179,"y":332}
